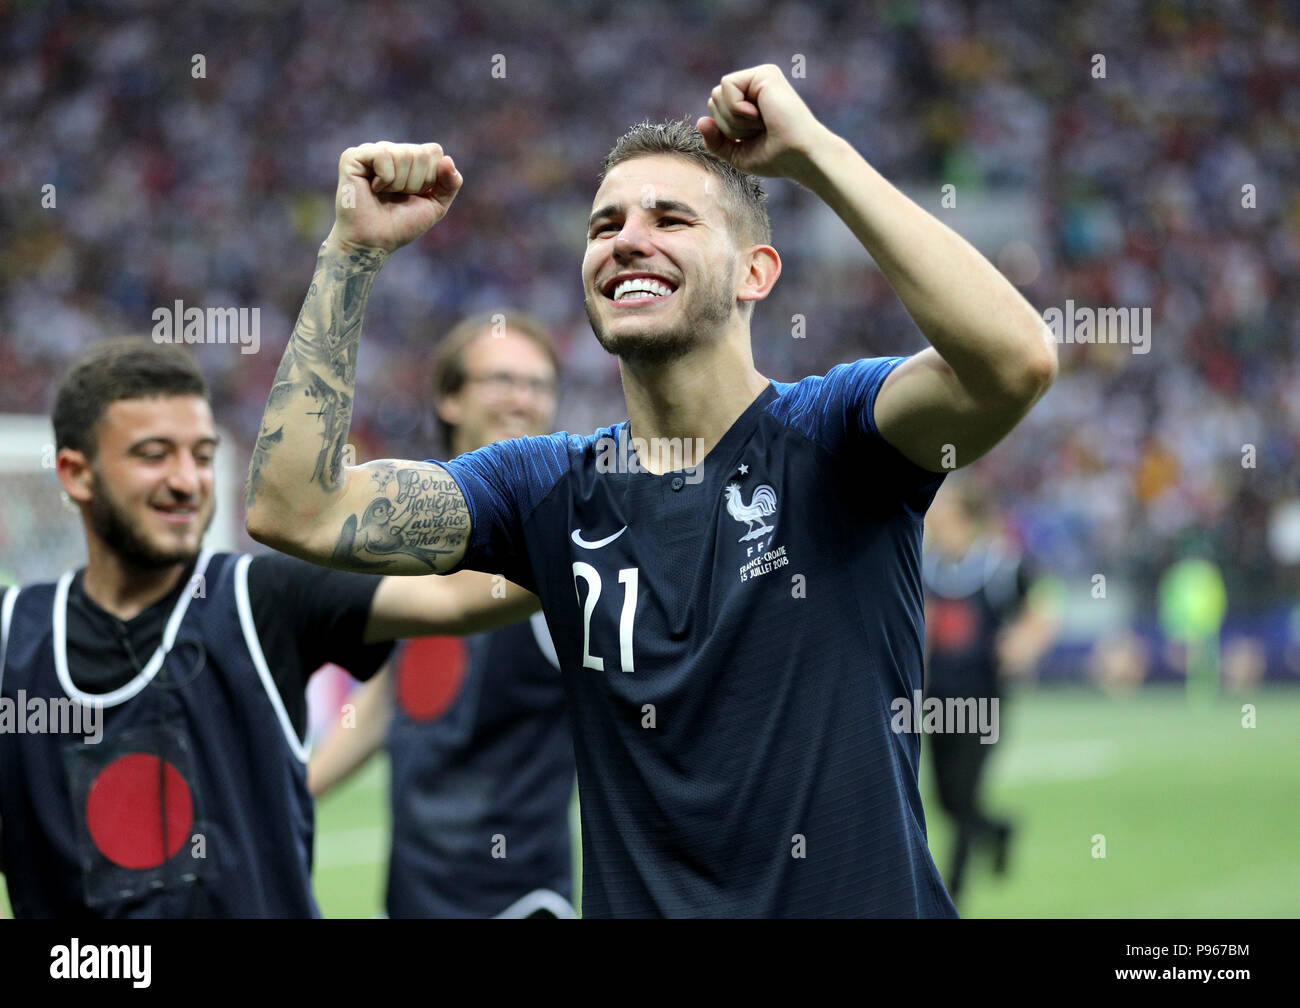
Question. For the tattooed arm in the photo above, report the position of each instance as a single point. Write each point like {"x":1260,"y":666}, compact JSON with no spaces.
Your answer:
{"x":390,"y":516}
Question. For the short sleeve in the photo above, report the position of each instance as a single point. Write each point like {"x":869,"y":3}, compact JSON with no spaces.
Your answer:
{"x":502,"y":484}
{"x":838,"y":411}
{"x":856,"y":387}
{"x":307,"y":616}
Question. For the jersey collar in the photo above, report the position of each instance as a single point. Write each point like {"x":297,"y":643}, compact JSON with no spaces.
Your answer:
{"x":151,"y":667}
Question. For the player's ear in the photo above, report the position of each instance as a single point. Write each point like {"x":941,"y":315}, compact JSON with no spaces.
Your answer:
{"x":75,"y":474}
{"x":764,"y":270}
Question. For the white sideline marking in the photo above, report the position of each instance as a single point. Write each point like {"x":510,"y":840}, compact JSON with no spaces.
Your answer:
{"x":1048,"y":761}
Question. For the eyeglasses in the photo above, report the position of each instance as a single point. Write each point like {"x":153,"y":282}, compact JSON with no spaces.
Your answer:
{"x":503,"y":383}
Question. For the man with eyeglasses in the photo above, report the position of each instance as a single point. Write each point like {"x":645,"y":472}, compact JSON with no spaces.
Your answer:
{"x":476,"y":728}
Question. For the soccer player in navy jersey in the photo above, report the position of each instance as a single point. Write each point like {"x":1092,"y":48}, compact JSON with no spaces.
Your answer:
{"x":731,"y":576}
{"x":980,"y":633}
{"x":165,"y":775}
{"x":478,"y":741}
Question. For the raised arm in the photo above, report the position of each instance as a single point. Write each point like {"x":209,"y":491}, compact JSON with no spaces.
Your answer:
{"x":389,"y":516}
{"x":990,"y":357}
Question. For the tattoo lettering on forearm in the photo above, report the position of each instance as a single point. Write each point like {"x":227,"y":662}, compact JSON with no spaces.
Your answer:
{"x":272,"y":433}
{"x":320,"y":365}
{"x":266,"y":440}
{"x":330,"y":358}
{"x":333,"y":348}
{"x":424,"y":518}
{"x":334,"y":409}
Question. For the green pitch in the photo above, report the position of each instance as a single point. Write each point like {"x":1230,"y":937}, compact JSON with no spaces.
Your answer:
{"x":1200,"y":815}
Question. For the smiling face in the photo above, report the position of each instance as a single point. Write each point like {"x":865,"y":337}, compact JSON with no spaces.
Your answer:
{"x":149,"y":491}
{"x":509,"y":391}
{"x":661,"y":273}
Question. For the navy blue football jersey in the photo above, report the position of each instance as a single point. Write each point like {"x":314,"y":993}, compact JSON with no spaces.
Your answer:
{"x":731,"y":638}
{"x":185,"y":795}
{"x":482,"y":777}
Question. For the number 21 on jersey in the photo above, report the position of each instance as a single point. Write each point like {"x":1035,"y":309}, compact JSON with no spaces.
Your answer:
{"x":628,"y":578}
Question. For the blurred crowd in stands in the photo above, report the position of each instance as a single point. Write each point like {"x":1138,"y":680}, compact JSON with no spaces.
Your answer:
{"x":192,"y":152}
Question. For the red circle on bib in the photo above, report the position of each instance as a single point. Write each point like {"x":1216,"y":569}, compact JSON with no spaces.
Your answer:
{"x":124,"y":811}
{"x":953,"y":624}
{"x":429,"y":675}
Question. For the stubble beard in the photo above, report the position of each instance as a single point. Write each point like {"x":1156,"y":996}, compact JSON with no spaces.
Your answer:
{"x":705,"y":313}
{"x":113,"y":524}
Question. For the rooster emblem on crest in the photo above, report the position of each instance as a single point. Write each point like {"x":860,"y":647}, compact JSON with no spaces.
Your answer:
{"x":761,"y":505}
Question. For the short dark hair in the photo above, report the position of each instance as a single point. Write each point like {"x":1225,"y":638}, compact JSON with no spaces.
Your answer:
{"x":449,"y":358}
{"x":746,"y":203}
{"x":120,"y":368}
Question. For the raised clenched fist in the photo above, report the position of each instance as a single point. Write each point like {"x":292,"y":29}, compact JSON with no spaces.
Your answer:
{"x":391,"y":193}
{"x":760,"y":125}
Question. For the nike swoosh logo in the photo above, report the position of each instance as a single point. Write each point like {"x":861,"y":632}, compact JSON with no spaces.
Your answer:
{"x":577,"y":538}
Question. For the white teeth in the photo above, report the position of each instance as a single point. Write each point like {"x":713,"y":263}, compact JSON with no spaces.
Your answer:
{"x":641,"y":286}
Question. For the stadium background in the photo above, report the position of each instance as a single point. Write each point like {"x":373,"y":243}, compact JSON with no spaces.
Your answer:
{"x":1122,"y":190}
